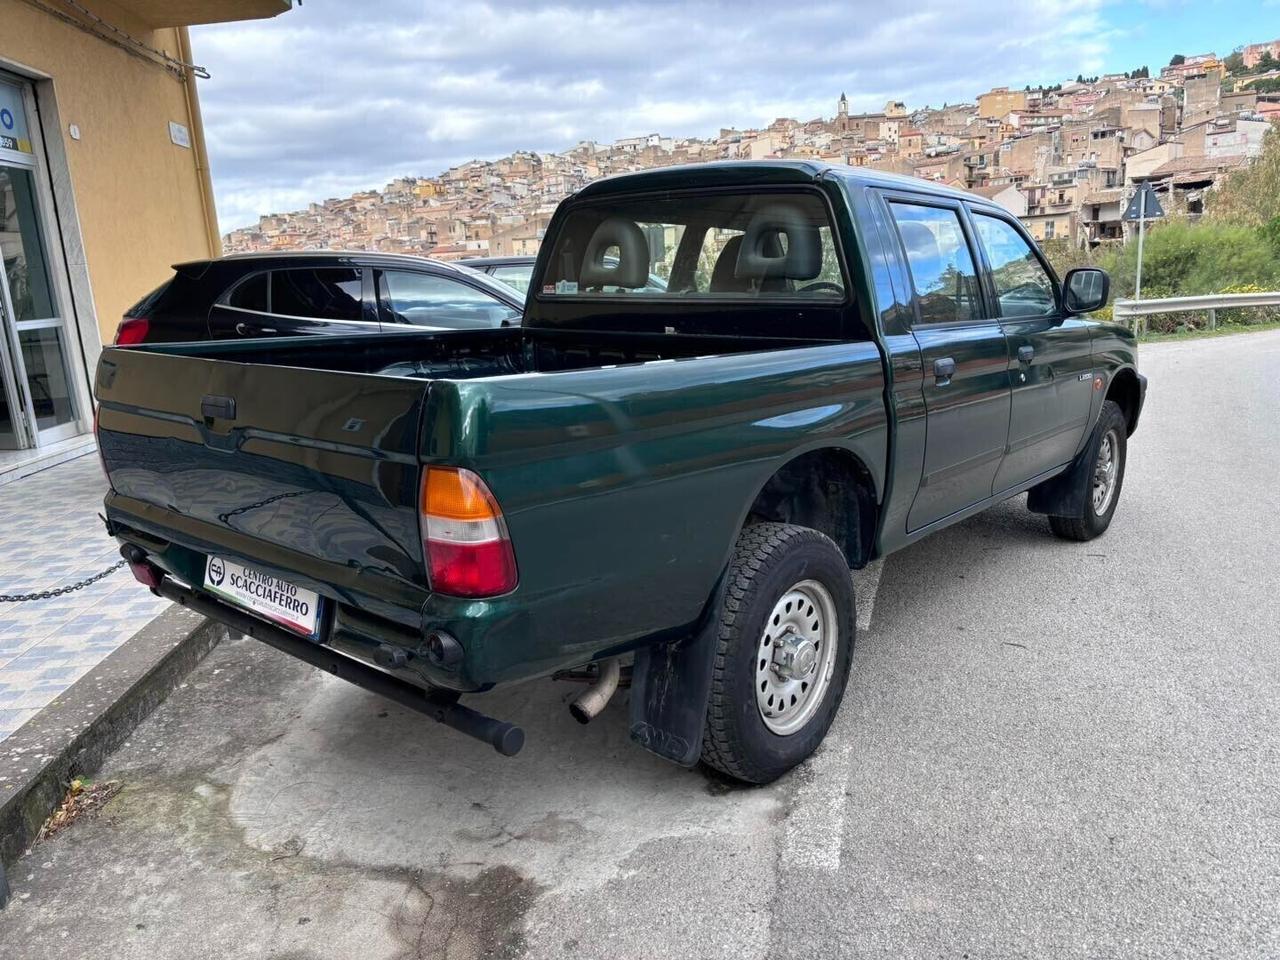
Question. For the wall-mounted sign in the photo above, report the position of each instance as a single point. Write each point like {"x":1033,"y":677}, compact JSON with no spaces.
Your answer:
{"x":179,"y":134}
{"x":13,"y":119}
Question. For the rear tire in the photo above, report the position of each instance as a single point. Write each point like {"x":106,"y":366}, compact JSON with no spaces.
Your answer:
{"x":1108,"y":451}
{"x":783,"y":653}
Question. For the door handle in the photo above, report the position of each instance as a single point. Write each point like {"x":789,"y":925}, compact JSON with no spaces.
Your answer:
{"x":1026,"y":353}
{"x":244,"y":329}
{"x":944,"y":368}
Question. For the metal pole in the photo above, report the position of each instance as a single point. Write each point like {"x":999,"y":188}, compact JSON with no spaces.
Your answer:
{"x":1142,"y":224}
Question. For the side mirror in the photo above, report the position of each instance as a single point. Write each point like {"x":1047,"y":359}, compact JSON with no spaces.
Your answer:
{"x":1085,"y":290}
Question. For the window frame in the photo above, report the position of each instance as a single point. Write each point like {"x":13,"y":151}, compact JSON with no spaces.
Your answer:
{"x":976,"y":210}
{"x":845,"y":301}
{"x":387,"y":316}
{"x":960,"y":209}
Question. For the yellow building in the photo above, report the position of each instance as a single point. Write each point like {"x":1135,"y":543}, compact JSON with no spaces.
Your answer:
{"x":1000,"y":101}
{"x":104,"y":183}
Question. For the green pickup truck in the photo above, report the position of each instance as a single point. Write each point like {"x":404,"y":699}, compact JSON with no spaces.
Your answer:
{"x":667,"y":481}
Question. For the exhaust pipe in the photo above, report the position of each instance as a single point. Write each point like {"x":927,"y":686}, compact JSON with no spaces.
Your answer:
{"x":592,"y":700}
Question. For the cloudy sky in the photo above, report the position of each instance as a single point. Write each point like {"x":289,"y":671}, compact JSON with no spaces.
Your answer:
{"x":335,"y":96}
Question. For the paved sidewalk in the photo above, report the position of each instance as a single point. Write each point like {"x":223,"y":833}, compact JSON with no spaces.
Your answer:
{"x":50,"y":535}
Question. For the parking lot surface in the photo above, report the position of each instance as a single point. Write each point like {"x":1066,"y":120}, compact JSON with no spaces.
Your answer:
{"x":1046,"y":750}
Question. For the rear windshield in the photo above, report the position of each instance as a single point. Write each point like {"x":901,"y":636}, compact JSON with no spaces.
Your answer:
{"x":148,"y":303}
{"x":755,"y":246}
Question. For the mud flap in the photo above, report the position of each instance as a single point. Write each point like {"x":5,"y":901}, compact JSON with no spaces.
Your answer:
{"x":1064,"y":495}
{"x":670,"y":688}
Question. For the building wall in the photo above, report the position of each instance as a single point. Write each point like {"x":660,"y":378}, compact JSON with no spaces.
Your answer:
{"x":1000,"y":101}
{"x":1254,"y":51}
{"x":139,"y":197}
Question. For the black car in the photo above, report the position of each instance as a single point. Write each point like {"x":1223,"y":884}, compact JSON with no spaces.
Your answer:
{"x":289,"y":294}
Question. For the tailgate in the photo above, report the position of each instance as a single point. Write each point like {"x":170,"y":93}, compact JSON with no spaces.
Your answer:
{"x":312,"y":474}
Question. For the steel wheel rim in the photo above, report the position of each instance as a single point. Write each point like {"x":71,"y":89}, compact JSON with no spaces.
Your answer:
{"x":1105,"y":470}
{"x":803,"y":624}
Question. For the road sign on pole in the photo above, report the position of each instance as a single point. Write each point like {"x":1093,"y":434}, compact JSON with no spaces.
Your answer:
{"x":1144,"y":200}
{"x":1143,"y":207}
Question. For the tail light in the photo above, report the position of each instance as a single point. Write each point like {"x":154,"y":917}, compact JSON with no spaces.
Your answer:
{"x":464,"y":536}
{"x":132,"y":330}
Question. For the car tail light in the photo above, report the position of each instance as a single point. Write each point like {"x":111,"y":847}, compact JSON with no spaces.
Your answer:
{"x":464,"y":536}
{"x":132,"y":330}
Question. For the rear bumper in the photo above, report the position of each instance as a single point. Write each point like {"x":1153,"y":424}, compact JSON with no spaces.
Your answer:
{"x":366,"y":628}
{"x":441,"y":706}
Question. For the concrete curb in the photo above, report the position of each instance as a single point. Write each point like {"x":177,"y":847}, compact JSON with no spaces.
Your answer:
{"x":73,"y":734}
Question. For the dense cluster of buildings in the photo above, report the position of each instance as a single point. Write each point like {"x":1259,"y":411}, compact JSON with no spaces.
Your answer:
{"x":1065,"y":159}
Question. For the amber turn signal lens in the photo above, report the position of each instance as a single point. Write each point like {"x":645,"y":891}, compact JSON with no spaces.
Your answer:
{"x":456,"y":494}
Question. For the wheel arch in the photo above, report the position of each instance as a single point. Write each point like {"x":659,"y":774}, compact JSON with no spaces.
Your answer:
{"x":1126,"y":392}
{"x":807,"y":491}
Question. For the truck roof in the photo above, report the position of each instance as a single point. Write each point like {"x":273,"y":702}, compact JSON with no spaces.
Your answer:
{"x":763,"y":172}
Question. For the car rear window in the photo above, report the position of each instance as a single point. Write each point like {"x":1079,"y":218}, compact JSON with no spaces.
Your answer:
{"x":145,"y":306}
{"x":757,"y":246}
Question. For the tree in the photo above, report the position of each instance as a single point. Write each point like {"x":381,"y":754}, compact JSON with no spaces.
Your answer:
{"x":1266,"y":63}
{"x":1177,"y":60}
{"x":1234,"y":63}
{"x":1079,"y":78}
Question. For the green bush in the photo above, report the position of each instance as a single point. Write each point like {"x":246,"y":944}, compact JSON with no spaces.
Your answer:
{"x":1183,"y":259}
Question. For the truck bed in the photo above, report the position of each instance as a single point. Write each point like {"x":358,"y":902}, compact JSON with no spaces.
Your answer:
{"x":623,"y":463}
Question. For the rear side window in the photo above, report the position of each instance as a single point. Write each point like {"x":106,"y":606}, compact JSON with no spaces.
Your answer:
{"x":251,"y":294}
{"x":757,"y":246}
{"x":941,"y":266}
{"x":328,"y":293}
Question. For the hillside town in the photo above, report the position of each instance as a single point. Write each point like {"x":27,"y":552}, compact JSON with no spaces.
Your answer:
{"x":1065,"y":159}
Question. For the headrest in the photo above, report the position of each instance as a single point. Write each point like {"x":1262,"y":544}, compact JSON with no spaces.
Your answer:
{"x":628,"y":267}
{"x":761,"y":256}
{"x":920,"y":242}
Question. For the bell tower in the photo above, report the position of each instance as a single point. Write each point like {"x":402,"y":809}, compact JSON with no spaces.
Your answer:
{"x":842,"y":112}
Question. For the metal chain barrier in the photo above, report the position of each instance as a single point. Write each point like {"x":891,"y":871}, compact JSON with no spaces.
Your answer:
{"x":48,"y":594}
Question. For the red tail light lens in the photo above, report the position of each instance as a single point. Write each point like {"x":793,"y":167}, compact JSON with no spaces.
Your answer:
{"x":464,"y":535}
{"x":132,"y":330}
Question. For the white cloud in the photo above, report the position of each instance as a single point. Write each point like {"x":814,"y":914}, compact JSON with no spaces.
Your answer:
{"x":323,"y":100}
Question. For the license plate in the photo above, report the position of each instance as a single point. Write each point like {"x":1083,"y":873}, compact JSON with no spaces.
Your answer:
{"x":266,"y":595}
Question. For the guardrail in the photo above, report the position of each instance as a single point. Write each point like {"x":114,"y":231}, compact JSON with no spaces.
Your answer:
{"x":1126,"y":311}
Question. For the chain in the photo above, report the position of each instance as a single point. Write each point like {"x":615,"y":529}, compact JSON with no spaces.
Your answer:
{"x":47,"y":594}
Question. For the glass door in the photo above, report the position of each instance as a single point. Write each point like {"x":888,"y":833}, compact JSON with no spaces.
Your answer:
{"x":37,"y":402}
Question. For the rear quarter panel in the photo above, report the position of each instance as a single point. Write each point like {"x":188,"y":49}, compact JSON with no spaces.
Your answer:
{"x":624,"y":488}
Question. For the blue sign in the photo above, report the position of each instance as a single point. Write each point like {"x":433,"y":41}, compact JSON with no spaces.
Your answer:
{"x":13,"y":119}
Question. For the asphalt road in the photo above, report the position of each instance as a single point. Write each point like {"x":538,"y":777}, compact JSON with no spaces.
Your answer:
{"x":1046,"y":750}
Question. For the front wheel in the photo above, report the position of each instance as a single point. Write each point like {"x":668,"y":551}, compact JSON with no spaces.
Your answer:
{"x":783,"y":652}
{"x":1107,"y":450}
